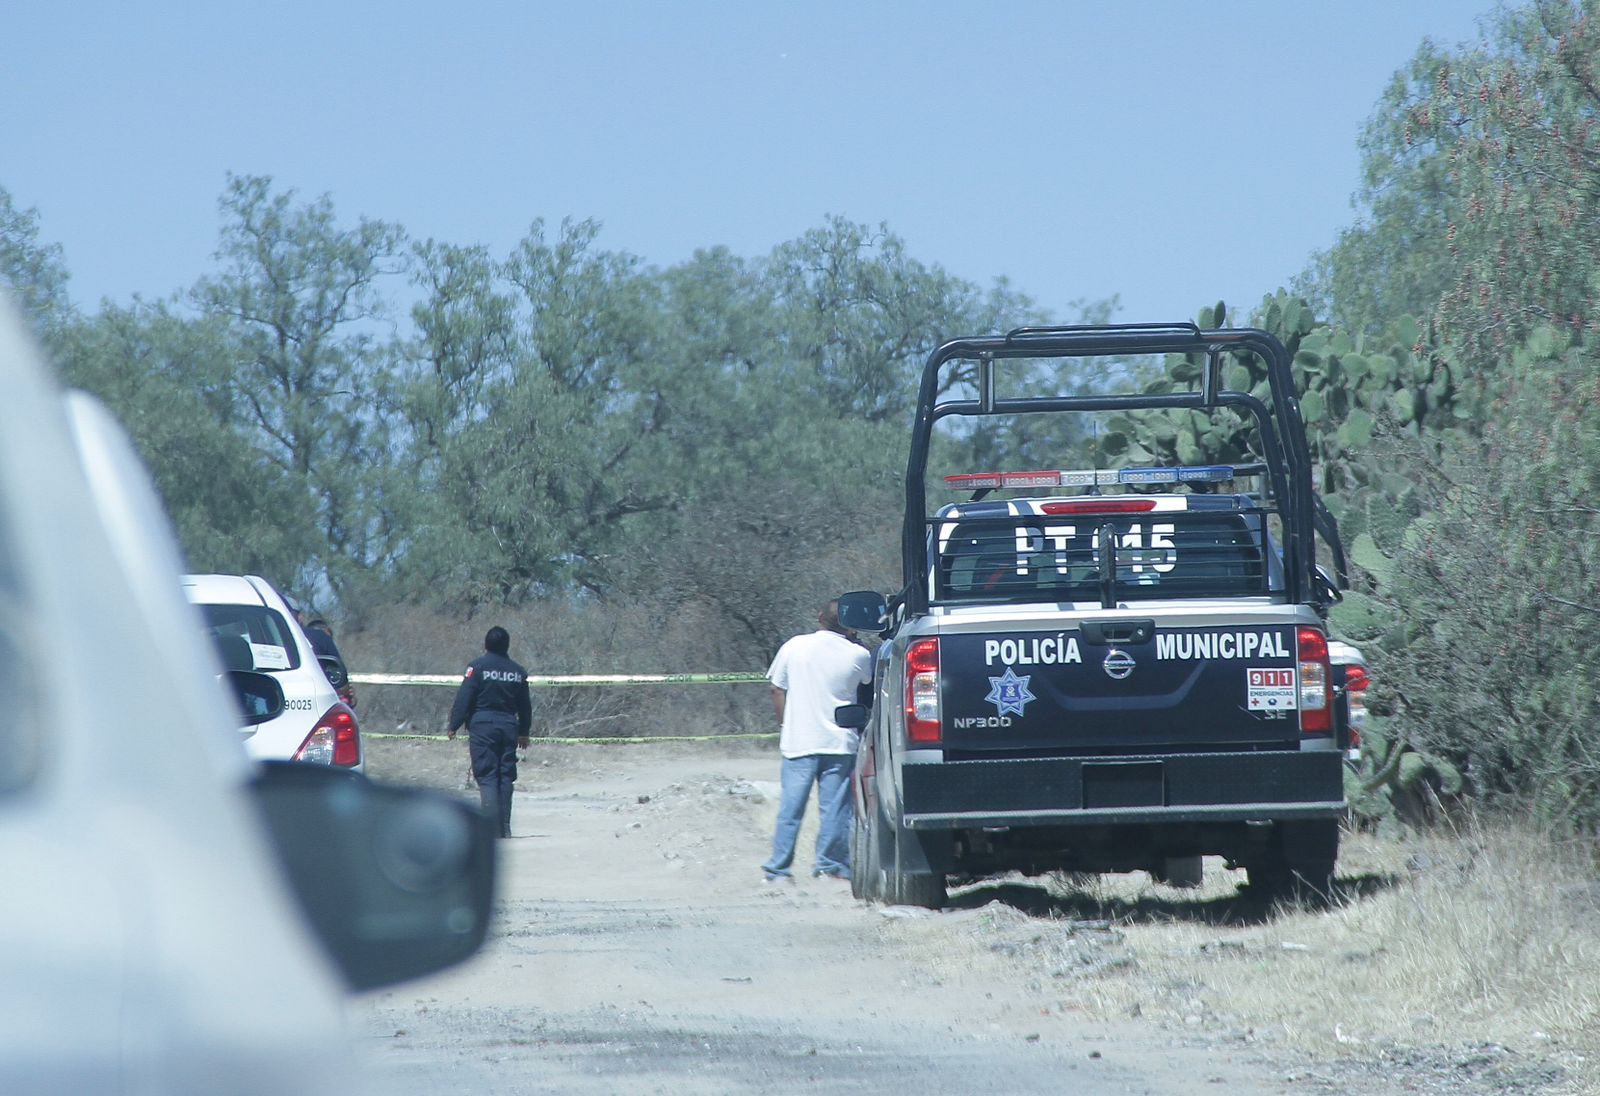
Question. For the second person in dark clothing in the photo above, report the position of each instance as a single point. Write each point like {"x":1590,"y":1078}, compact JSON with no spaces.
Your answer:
{"x":492,"y":703}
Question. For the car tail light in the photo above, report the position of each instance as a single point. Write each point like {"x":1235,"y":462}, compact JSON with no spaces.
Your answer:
{"x":1356,"y":683}
{"x":335,"y":740}
{"x":1316,"y":708}
{"x":922,"y":693}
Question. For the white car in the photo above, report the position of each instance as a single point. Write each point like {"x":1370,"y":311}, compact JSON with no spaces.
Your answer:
{"x":250,"y":625}
{"x":176,"y":919}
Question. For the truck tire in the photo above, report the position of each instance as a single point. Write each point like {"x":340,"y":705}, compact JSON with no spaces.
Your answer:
{"x":858,"y":860}
{"x":1187,"y":872}
{"x":866,"y":873}
{"x":1297,"y":866}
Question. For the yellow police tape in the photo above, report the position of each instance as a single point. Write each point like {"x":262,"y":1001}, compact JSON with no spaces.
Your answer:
{"x":554,"y":680}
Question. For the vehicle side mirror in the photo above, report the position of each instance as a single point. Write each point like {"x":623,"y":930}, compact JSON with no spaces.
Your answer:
{"x":863,"y":611}
{"x":260,"y":696}
{"x":396,"y":882}
{"x":1328,"y":586}
{"x":852,"y":716}
{"x":338,"y":676}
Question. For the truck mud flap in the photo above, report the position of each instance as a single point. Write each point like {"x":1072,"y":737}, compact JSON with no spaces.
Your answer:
{"x":919,"y":852}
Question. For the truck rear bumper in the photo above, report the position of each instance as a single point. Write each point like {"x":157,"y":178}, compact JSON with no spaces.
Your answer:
{"x":1097,"y":791}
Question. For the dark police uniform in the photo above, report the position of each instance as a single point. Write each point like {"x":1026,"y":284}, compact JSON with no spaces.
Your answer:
{"x":322,"y":641}
{"x":323,"y":646}
{"x":493,"y":704}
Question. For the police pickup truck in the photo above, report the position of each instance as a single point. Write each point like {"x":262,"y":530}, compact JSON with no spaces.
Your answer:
{"x":1104,"y":670}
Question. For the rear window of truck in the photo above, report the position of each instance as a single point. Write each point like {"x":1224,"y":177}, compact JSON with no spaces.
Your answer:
{"x":1162,"y":555}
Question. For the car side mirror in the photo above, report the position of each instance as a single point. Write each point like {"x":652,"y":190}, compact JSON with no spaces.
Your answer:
{"x":852,"y":716}
{"x":334,"y":668}
{"x":396,"y":882}
{"x":863,"y":611}
{"x":260,"y":696}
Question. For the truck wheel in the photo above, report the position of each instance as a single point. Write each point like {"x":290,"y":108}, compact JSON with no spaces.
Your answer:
{"x":1310,"y":850}
{"x":866,"y":874}
{"x":1182,"y":871}
{"x":1305,"y":885}
{"x":1298,"y":865}
{"x":858,"y":859}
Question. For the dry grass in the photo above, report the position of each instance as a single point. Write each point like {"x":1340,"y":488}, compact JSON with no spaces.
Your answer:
{"x":1485,"y":938}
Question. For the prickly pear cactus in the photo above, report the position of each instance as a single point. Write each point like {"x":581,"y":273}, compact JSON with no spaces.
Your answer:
{"x":1347,"y":387}
{"x":1395,"y":782}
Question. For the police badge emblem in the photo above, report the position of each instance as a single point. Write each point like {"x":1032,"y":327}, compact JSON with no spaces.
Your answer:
{"x":1009,"y":692}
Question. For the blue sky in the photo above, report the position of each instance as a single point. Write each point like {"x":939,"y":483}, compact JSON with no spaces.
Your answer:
{"x":1168,"y":152}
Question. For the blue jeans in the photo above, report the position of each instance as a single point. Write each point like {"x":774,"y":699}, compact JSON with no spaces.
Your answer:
{"x":831,"y":774}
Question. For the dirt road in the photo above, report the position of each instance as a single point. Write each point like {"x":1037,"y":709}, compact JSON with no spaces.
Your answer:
{"x":638,"y":949}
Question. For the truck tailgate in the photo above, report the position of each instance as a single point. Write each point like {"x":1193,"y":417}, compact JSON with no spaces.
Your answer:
{"x":1129,"y":686}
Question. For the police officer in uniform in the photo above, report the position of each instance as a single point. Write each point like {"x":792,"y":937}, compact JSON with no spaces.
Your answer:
{"x":320,"y":634}
{"x":492,"y":703}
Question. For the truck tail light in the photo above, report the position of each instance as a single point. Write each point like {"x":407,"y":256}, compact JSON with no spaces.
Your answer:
{"x":922,"y":693}
{"x":1316,"y":707}
{"x":1098,"y":506}
{"x":1356,"y":683}
{"x":335,"y":740}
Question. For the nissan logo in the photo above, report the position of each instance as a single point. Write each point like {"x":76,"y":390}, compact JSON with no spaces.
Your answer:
{"x":1118,"y":664}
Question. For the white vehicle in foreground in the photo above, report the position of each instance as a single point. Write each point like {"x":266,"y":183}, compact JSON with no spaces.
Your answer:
{"x":176,"y":919}
{"x":252,"y":628}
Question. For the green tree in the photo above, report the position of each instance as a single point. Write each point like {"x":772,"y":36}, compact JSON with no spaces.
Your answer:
{"x":531,"y":423}
{"x":1480,"y":200}
{"x":302,"y":297}
{"x":861,"y":315}
{"x":436,"y":386}
{"x":33,"y":272}
{"x":570,"y":410}
{"x":166,"y":377}
{"x":782,"y":496}
{"x":1482,"y":215}
{"x":1483,"y":604}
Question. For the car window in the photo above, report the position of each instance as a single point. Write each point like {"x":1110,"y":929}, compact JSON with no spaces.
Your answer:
{"x":251,"y":637}
{"x":1176,"y":555}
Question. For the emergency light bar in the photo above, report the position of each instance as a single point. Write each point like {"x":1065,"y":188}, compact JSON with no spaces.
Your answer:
{"x":1095,"y":477}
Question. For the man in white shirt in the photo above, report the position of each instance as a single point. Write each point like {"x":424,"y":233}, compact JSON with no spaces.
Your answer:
{"x":811,"y":676}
